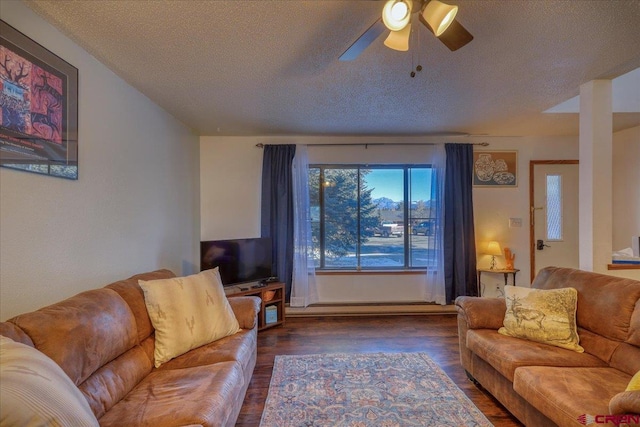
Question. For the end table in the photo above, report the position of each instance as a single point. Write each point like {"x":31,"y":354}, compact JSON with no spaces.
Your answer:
{"x":495,"y":271}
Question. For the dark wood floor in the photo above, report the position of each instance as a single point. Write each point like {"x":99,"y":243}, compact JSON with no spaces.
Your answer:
{"x":435,"y":335}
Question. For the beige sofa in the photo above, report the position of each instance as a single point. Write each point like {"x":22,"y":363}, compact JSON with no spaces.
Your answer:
{"x":544,"y":385}
{"x":103,"y":340}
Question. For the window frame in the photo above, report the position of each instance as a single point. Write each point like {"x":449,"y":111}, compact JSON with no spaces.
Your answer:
{"x":406,"y":171}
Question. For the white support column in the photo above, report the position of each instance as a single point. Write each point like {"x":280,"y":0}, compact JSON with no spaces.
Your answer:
{"x":596,"y":137}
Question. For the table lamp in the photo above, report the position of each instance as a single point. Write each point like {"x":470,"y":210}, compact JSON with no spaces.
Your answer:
{"x":493,"y":249}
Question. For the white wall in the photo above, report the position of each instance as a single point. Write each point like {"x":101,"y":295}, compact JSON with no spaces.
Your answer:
{"x":626,"y":187}
{"x":134,"y":208}
{"x":230,"y":193}
{"x":494,"y":206}
{"x":230,"y":181}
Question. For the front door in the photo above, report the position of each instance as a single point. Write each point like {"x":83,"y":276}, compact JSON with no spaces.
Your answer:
{"x":554,"y":214}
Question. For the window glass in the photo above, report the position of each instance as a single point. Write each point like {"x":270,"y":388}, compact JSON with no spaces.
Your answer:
{"x":421,"y":217}
{"x":554,"y":207}
{"x":382,"y":218}
{"x":340,"y":187}
{"x":314,"y":211}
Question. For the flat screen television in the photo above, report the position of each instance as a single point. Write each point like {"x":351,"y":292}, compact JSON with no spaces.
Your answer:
{"x":238,"y":260}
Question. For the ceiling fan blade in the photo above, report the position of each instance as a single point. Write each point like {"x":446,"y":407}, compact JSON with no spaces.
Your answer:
{"x":372,"y":33}
{"x":456,"y":36}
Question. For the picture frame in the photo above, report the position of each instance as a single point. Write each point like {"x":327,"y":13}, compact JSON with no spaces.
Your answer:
{"x":495,"y":168}
{"x":38,"y":107}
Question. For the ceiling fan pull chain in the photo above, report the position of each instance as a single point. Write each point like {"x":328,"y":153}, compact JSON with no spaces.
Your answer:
{"x":415,"y":68}
{"x":413,"y":40}
{"x":419,"y":67}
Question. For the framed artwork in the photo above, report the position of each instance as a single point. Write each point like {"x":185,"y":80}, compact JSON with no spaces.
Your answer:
{"x":38,"y":108}
{"x":495,"y":168}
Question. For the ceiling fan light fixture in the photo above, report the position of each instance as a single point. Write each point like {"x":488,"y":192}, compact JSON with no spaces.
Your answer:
{"x":439,"y":16}
{"x":396,"y":14}
{"x":399,"y":40}
{"x":399,"y":11}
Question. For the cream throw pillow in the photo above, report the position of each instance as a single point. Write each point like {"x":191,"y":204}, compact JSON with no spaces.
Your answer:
{"x":35,"y":391}
{"x":187,"y":312}
{"x":546,"y":316}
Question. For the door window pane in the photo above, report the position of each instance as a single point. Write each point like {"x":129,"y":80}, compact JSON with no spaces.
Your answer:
{"x":554,"y":207}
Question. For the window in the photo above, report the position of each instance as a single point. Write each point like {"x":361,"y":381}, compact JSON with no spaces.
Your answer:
{"x":371,"y":217}
{"x":554,"y":207}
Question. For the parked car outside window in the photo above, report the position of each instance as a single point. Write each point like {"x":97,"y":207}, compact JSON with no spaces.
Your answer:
{"x":424,"y":227}
{"x":388,"y":229}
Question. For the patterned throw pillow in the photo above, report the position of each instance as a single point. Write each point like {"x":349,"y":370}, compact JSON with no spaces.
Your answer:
{"x":546,"y":316}
{"x":35,"y":391}
{"x":187,"y":312}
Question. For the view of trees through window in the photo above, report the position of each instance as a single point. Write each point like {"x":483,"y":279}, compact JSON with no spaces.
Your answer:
{"x":371,"y":217}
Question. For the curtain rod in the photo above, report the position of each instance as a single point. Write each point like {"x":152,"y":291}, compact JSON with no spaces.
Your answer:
{"x":483,"y":144}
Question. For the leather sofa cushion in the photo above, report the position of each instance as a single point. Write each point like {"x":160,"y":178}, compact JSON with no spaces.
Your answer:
{"x":548,"y":388}
{"x":597,"y":345}
{"x":506,"y":353}
{"x":634,"y":328}
{"x":132,"y":293}
{"x":201,"y":395}
{"x":234,"y":348}
{"x":83,"y":332}
{"x":626,"y":358}
{"x":114,"y":380}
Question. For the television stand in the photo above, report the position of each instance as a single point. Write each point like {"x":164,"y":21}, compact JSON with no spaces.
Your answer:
{"x":272,"y":306}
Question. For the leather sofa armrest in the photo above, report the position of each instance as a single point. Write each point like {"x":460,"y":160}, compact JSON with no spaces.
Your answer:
{"x":246,"y":309}
{"x":9,"y":330}
{"x":626,"y":402}
{"x":482,"y":313}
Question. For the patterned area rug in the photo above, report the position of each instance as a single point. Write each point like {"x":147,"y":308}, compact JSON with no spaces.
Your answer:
{"x":361,"y":390}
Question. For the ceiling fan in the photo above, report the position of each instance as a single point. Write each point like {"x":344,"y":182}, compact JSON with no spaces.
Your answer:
{"x":438,"y":17}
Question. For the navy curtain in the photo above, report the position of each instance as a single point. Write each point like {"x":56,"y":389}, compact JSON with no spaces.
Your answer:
{"x":459,"y":236}
{"x":277,"y":209}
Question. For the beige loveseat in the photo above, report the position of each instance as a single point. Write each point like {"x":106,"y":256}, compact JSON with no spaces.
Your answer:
{"x":103,"y":340}
{"x":544,"y":385}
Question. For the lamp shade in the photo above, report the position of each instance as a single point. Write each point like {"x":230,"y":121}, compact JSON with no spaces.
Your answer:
{"x":399,"y":40}
{"x":493,"y":248}
{"x":396,"y":14}
{"x":439,"y":16}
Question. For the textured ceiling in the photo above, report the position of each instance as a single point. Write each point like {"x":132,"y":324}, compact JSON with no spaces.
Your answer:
{"x":271,"y":67}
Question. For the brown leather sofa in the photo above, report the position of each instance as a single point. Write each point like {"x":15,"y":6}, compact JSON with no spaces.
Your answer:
{"x":104,"y":341}
{"x":543,"y":385}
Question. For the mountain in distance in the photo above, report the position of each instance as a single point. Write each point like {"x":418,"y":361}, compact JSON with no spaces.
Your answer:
{"x":385,"y":203}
